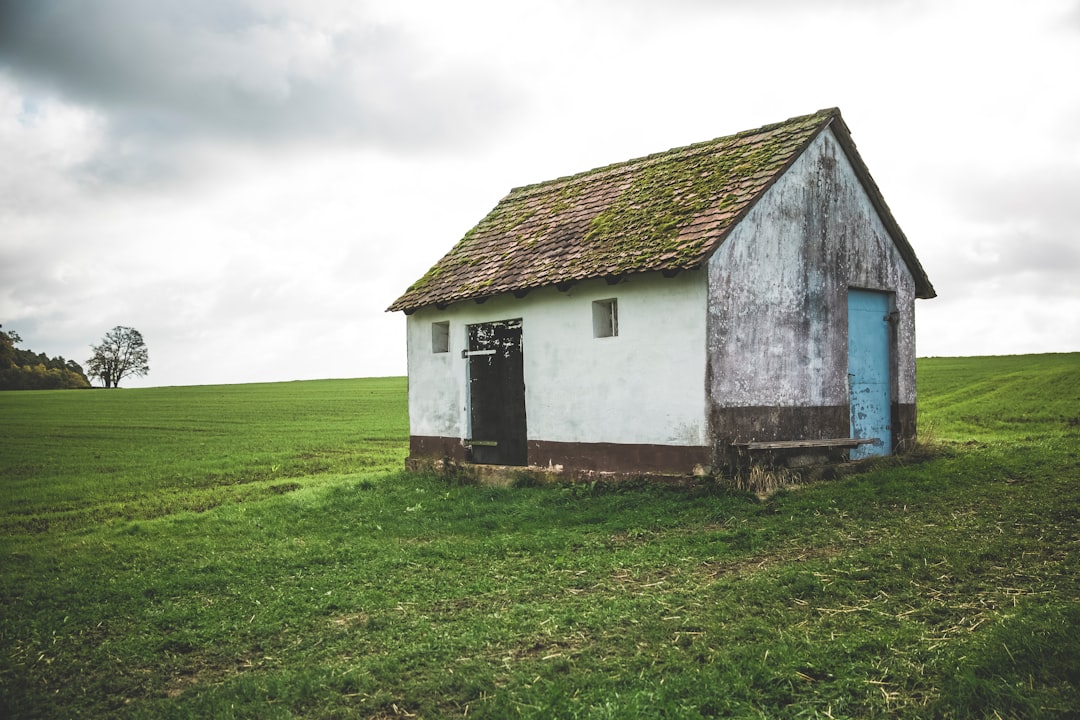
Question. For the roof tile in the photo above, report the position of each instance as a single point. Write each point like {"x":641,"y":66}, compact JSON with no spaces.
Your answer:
{"x":667,"y":211}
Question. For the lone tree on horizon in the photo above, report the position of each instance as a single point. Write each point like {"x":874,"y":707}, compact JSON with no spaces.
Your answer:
{"x":122,"y":353}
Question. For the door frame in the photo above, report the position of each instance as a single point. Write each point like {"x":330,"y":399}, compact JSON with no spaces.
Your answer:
{"x":498,"y":360}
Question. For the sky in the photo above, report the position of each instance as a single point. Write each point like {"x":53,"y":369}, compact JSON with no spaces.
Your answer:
{"x":250,"y":183}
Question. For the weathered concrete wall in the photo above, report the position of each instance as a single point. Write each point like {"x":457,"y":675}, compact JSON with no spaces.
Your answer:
{"x":644,"y":387}
{"x":777,"y":320}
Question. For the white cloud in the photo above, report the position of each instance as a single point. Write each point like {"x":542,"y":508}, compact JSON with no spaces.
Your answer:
{"x":166,"y":75}
{"x":251,"y":183}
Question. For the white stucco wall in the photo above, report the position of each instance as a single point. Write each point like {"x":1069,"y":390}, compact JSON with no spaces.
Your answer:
{"x":778,"y":289}
{"x":644,"y":386}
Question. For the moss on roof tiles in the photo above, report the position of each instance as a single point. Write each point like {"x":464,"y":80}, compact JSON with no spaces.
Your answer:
{"x":667,"y":211}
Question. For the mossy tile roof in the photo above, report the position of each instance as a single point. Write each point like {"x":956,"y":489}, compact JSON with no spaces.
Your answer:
{"x":664,"y":212}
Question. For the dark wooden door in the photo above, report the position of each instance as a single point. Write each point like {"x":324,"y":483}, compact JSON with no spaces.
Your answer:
{"x":497,"y":394}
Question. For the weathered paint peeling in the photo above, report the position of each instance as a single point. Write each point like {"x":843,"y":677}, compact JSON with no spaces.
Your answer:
{"x":777,"y":300}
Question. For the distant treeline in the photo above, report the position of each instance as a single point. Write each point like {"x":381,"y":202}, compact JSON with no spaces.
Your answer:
{"x":27,"y":370}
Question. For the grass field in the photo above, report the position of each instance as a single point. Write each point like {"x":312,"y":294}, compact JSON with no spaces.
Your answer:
{"x":254,"y":551}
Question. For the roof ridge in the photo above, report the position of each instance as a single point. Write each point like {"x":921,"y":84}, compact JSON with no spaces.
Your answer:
{"x":669,"y":155}
{"x":666,"y":211}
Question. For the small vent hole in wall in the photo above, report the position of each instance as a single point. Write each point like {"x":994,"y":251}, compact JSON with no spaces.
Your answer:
{"x":440,"y":337}
{"x":605,"y":318}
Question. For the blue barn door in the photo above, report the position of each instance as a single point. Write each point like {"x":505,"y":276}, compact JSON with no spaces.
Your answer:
{"x":868,"y":371}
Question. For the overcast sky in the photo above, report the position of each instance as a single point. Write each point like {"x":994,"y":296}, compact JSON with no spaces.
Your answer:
{"x":251,"y":183}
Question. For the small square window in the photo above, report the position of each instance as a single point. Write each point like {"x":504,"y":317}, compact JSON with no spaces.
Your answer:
{"x":605,"y":318}
{"x":440,"y":337}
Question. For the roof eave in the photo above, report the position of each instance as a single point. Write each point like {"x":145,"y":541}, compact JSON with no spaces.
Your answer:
{"x":403,"y":303}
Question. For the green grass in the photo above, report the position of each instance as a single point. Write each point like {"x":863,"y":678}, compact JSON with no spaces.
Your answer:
{"x":209,"y":584}
{"x":72,"y":459}
{"x":1011,"y":398}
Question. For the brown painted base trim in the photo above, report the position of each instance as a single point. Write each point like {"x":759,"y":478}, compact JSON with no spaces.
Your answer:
{"x":435,"y":447}
{"x":904,"y":426}
{"x":569,"y":457}
{"x":733,"y":427}
{"x":760,"y":424}
{"x":622,"y":458}
{"x":763,"y":424}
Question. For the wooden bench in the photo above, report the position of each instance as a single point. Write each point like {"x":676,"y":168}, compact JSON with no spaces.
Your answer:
{"x":796,"y":444}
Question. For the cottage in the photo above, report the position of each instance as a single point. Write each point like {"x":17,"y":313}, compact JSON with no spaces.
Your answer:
{"x":665,"y":314}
